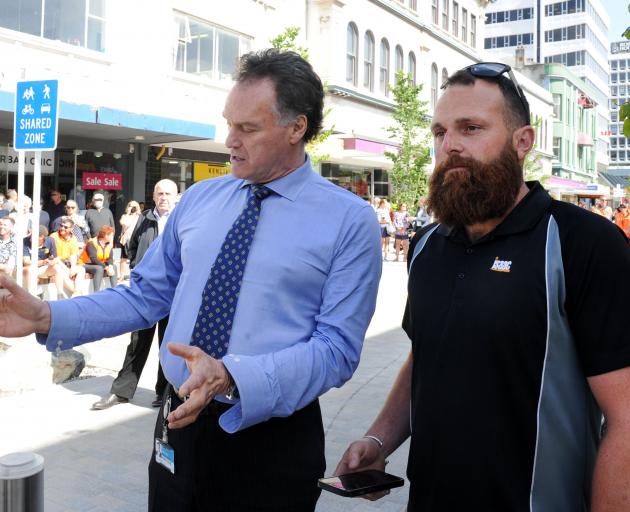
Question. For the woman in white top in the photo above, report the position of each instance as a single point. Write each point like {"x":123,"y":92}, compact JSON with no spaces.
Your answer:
{"x":128,"y":223}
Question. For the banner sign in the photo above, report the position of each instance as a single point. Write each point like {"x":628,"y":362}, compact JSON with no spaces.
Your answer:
{"x":203,"y":171}
{"x":9,"y":161}
{"x":101,"y":180}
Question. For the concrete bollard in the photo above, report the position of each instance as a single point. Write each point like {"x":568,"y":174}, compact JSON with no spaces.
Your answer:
{"x":22,"y":482}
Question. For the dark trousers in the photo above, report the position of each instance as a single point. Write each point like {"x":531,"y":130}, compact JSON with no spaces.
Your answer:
{"x":97,"y":272}
{"x":138,"y":349}
{"x":269,"y":467}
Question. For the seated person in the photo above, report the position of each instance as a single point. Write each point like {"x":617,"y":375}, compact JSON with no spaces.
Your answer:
{"x":46,"y":260}
{"x":98,"y":257}
{"x":68,"y":253}
{"x":8,"y":249}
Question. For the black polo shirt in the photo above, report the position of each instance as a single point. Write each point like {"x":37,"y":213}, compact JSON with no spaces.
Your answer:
{"x":504,"y":331}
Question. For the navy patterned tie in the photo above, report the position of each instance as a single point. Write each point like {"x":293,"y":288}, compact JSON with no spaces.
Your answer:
{"x":220,"y":295}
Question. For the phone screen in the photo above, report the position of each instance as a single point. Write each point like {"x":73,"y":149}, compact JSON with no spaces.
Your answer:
{"x":362,"y":482}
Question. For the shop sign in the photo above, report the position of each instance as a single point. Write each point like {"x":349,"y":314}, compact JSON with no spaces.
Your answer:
{"x":9,"y":161}
{"x":101,"y":180}
{"x":204,"y":171}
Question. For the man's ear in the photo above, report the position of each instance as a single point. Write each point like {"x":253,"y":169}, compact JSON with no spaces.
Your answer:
{"x":523,"y":141}
{"x":298,"y":129}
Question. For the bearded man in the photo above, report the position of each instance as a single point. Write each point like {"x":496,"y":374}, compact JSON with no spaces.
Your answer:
{"x":518,"y":338}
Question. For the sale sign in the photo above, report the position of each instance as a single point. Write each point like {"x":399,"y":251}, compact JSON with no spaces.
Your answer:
{"x":101,"y":180}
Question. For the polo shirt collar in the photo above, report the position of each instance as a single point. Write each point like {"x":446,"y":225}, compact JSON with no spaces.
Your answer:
{"x":523,"y":217}
{"x":291,"y":185}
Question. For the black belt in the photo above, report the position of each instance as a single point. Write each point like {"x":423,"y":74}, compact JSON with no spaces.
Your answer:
{"x":214,"y":409}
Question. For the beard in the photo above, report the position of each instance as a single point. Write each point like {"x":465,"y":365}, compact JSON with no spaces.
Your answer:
{"x":478,"y":192}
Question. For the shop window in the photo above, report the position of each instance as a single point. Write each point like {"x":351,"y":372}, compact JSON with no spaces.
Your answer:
{"x":204,"y":49}
{"x":352,"y":53}
{"x":75,"y":22}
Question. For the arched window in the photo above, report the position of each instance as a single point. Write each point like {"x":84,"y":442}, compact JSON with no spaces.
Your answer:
{"x":352,"y":53}
{"x":434,"y":85}
{"x":384,"y":68}
{"x":412,"y":67}
{"x":444,"y":76}
{"x":368,"y":60}
{"x":399,"y":59}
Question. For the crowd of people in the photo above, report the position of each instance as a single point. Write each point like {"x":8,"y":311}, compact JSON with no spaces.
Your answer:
{"x":73,"y":245}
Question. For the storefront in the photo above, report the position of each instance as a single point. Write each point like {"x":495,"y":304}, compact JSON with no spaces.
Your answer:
{"x":573,"y":191}
{"x":364,"y":182}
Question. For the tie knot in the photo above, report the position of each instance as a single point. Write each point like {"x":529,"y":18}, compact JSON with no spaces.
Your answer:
{"x":260,"y":191}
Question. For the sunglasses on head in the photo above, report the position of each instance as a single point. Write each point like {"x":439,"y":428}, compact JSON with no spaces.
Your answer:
{"x":495,"y":70}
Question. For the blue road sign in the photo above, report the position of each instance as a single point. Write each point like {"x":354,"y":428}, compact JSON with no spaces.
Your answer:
{"x":36,"y":116}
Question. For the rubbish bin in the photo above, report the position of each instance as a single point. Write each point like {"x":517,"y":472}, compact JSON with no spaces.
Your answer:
{"x":22,"y":482}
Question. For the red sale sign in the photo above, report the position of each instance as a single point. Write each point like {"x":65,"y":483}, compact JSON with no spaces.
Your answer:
{"x":101,"y":180}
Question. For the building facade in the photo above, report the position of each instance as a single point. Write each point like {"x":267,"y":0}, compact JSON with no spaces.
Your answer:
{"x":144,"y":100}
{"x":619,"y":94}
{"x":569,"y":32}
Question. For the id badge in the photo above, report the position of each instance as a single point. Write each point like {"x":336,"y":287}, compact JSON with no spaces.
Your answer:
{"x":165,"y":455}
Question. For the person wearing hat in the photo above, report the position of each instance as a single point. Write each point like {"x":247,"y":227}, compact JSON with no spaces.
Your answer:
{"x":98,"y":216}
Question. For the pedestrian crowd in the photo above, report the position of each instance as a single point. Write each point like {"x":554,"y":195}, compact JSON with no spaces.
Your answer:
{"x":74,"y":246}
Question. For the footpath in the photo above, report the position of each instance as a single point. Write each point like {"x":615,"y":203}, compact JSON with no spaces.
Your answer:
{"x":96,"y":461}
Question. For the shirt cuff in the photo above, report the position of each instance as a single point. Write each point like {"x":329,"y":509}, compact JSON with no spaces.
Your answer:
{"x":62,"y":335}
{"x":256,"y":395}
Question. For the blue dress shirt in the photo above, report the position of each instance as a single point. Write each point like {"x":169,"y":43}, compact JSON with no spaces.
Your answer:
{"x":308,"y":293}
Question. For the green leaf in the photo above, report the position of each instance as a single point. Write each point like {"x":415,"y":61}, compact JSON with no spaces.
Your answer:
{"x":626,"y":127}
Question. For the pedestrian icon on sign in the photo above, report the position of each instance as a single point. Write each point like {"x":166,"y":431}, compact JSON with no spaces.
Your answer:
{"x":46,"y":92}
{"x":29,"y":94}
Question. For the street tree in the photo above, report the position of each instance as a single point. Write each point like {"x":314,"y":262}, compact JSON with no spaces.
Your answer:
{"x":408,"y":176}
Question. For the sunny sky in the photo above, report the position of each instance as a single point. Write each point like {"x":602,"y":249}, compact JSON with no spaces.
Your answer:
{"x":619,"y":17}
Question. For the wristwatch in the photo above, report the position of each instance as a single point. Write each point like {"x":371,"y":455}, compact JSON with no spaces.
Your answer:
{"x":232,"y":391}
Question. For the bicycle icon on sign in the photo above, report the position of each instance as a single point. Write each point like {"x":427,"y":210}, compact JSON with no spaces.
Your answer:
{"x":28,"y":109}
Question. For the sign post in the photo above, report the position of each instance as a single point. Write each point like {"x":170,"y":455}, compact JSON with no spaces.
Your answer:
{"x":36,"y":121}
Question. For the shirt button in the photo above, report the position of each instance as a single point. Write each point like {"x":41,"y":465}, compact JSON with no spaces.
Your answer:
{"x":461,"y":275}
{"x":469,"y":250}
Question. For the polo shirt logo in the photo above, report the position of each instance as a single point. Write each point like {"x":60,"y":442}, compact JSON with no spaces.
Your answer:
{"x":501,"y":265}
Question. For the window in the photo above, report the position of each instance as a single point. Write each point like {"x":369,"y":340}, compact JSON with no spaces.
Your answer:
{"x":413,"y":5}
{"x":75,"y":22}
{"x":445,"y":14}
{"x":434,"y":11}
{"x":434,"y":85}
{"x":444,"y":76}
{"x":412,"y":68}
{"x":455,"y":19}
{"x":557,"y":148}
{"x":384,"y":68}
{"x":464,"y":24}
{"x":399,"y":59}
{"x":473,"y":31}
{"x":557,"y":110}
{"x":204,"y":49}
{"x":368,"y":60}
{"x":352,"y":50}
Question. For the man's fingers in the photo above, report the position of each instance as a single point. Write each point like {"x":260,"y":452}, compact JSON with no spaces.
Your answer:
{"x":187,"y":412}
{"x":195,"y":381}
{"x":9,"y":284}
{"x":181,"y":350}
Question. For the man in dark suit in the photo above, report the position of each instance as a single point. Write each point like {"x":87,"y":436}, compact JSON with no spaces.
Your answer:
{"x":149,"y":227}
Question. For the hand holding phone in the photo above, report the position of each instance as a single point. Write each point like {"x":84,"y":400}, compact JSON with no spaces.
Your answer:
{"x":360,"y":483}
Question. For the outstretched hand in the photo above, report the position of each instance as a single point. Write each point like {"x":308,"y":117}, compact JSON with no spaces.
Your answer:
{"x":21,"y":314}
{"x":208,"y":378}
{"x":359,"y":456}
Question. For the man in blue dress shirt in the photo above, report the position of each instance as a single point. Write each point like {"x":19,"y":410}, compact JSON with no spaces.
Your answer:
{"x":245,"y":431}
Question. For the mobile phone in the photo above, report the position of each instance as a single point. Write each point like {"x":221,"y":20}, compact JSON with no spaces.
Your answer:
{"x":360,"y":483}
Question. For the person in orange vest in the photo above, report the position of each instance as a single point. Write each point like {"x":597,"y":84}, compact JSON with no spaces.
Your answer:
{"x":622,"y":219}
{"x":98,"y":257}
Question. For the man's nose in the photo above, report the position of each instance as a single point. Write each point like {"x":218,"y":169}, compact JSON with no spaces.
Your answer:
{"x":451,"y":144}
{"x":232,"y":140}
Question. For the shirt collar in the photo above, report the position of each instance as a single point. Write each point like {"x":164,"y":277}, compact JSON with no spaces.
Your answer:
{"x":523,"y":217}
{"x":156,"y":212}
{"x":291,"y":185}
